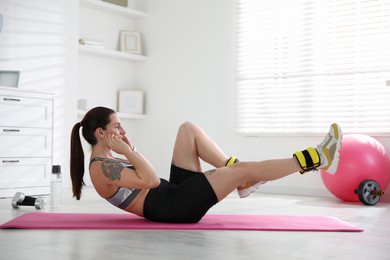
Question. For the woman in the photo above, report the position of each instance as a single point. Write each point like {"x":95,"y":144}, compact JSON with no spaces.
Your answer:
{"x":132,"y":184}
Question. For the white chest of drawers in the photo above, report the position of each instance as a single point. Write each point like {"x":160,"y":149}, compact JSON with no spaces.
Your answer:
{"x":26,"y":141}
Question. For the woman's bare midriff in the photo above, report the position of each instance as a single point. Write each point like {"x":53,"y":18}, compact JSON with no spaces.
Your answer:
{"x":137,"y":206}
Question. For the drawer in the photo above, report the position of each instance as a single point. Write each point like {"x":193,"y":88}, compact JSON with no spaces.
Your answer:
{"x":17,"y":173}
{"x":25,"y":111}
{"x":25,"y":142}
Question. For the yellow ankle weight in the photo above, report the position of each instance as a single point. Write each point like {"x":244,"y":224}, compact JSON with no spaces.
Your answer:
{"x":308,"y":159}
{"x":231,"y":161}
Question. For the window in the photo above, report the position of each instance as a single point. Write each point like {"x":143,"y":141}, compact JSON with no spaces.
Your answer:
{"x":302,"y":65}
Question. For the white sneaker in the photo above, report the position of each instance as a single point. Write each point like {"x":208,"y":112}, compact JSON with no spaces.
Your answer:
{"x":328,"y":150}
{"x":248,"y":188}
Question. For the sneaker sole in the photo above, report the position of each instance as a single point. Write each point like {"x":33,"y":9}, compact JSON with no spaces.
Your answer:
{"x":248,"y":191}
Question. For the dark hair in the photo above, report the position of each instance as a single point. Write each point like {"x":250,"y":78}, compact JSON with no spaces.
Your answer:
{"x":93,"y":119}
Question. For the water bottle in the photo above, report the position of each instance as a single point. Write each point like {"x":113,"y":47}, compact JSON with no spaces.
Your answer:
{"x":56,"y":186}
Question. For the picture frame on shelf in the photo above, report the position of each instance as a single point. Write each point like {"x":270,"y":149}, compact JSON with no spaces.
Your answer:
{"x":130,"y":42}
{"x":131,"y":101}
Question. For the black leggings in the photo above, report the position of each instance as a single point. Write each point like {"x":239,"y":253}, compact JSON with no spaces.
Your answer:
{"x":186,"y":198}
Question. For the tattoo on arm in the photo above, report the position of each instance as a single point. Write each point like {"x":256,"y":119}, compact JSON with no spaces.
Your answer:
{"x":209,"y":172}
{"x":112,"y":169}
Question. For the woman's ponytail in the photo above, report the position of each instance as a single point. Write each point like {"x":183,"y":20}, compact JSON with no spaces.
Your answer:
{"x":76,"y":161}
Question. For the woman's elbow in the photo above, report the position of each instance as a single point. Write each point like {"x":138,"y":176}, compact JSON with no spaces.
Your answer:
{"x":157,"y":182}
{"x":154,"y":183}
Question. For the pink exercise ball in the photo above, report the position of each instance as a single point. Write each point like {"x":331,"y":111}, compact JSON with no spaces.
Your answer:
{"x":361,"y":158}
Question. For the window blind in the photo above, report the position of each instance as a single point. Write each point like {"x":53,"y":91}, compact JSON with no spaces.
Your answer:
{"x":302,"y":65}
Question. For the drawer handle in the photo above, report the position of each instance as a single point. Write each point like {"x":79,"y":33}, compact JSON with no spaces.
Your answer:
{"x":11,"y":99}
{"x":10,"y":161}
{"x":11,"y":130}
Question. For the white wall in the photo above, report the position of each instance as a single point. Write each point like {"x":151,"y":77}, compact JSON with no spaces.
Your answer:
{"x":190,"y":75}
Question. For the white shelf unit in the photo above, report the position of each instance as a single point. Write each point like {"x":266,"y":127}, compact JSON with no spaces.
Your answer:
{"x":81,"y":112}
{"x":120,"y":12}
{"x":111,"y":53}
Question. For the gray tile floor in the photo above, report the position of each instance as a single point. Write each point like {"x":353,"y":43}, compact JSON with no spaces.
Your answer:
{"x":373,"y":243}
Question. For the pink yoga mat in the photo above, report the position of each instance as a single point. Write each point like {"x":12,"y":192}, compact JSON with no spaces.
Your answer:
{"x":38,"y":220}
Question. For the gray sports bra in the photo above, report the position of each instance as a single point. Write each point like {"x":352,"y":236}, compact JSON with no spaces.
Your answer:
{"x":123,"y":196}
